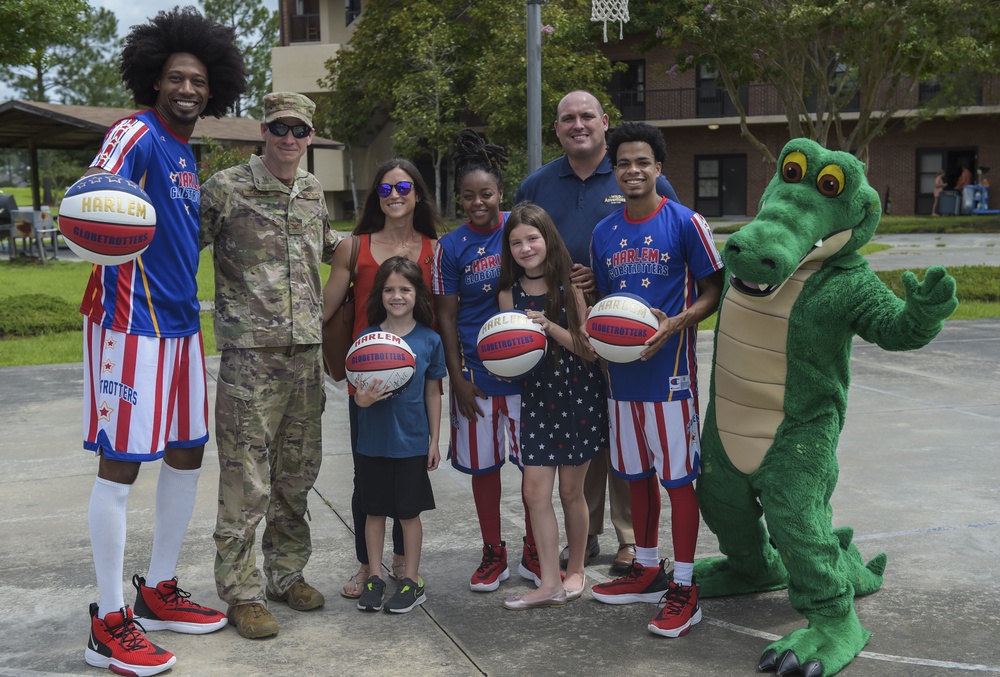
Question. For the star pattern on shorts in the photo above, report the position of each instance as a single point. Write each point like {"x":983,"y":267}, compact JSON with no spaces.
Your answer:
{"x":108,"y":367}
{"x":104,"y":412}
{"x":110,"y":343}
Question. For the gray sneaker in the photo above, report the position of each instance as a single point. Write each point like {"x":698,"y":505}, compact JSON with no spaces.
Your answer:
{"x":371,"y":594}
{"x":408,"y":595}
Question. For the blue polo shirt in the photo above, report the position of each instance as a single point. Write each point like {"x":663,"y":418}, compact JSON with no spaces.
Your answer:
{"x":576,"y":206}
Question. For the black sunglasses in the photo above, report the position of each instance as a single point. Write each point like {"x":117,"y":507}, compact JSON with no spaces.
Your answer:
{"x":403,"y":188}
{"x":280,"y":129}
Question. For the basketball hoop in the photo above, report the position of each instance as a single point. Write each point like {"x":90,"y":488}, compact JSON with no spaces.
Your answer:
{"x":610,"y":10}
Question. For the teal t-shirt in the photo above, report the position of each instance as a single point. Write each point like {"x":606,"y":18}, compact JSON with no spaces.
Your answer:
{"x":398,"y":427}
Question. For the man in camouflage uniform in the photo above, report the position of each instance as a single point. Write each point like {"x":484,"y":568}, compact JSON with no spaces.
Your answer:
{"x":270,"y":227}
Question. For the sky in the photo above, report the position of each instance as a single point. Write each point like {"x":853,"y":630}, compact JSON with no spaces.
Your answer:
{"x":131,"y":12}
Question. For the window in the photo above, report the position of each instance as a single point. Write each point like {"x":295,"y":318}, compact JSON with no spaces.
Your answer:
{"x":628,"y":90}
{"x":352,"y":8}
{"x":713,"y":100}
{"x":305,"y":21}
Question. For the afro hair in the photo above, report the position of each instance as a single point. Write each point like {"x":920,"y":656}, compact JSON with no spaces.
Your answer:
{"x":184,"y":30}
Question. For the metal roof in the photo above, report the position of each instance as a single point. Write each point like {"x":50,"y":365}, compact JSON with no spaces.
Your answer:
{"x":66,"y":127}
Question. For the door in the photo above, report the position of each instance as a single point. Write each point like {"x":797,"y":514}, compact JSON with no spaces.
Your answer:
{"x":721,"y":185}
{"x":734,"y":185}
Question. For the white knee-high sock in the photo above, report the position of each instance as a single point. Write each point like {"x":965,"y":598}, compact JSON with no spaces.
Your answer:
{"x":106,"y":520}
{"x":175,"y":494}
{"x":647,"y":557}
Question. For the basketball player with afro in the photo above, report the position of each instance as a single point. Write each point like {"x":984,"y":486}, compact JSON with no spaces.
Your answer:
{"x":144,"y":368}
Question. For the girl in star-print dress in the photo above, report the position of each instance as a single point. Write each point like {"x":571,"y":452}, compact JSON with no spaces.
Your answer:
{"x":563,"y":412}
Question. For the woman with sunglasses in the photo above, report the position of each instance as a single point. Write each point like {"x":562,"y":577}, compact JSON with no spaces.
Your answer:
{"x":399,"y":218}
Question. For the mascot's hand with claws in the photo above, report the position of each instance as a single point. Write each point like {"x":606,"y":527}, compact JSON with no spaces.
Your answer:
{"x":798,"y":291}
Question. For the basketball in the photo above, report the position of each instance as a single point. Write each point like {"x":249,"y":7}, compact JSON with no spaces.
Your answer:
{"x":107,"y":219}
{"x":619,"y":325}
{"x":381,"y":355}
{"x":510,"y":345}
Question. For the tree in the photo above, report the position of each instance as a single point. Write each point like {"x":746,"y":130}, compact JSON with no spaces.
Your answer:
{"x":256,"y":33}
{"x":87,"y":67}
{"x":822,"y":55}
{"x":82,"y":69}
{"x":26,"y":24}
{"x":571,"y":59}
{"x":431,"y":67}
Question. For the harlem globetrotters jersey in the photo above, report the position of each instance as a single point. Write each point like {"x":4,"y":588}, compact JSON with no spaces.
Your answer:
{"x":155,"y":294}
{"x":659,"y":259}
{"x":467,"y":264}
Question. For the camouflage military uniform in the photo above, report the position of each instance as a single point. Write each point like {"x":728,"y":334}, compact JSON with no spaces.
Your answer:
{"x":268,"y":241}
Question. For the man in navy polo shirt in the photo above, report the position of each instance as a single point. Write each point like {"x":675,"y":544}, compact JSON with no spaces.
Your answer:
{"x":578,"y":190}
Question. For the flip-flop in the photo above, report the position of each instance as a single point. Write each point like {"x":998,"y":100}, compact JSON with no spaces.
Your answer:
{"x":355,"y":584}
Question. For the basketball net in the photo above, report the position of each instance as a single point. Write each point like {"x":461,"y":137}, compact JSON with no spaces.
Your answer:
{"x":610,"y":10}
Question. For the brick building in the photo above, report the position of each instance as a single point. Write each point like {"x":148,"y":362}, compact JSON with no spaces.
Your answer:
{"x":712,"y":168}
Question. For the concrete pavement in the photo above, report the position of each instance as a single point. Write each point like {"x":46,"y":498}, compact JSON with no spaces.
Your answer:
{"x":919,"y":464}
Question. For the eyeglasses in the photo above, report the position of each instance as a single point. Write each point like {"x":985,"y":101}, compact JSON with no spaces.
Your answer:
{"x":280,"y":129}
{"x":403,"y":188}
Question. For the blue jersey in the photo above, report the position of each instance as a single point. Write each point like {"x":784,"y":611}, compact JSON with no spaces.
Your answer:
{"x":398,"y":427}
{"x":577,"y":205}
{"x":157,"y":293}
{"x":659,"y":259}
{"x":467,"y":265}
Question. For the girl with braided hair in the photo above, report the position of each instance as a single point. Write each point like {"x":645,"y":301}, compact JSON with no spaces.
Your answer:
{"x":485,"y":424}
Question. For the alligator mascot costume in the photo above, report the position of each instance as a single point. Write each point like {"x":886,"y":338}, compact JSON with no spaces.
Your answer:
{"x":797,"y":292}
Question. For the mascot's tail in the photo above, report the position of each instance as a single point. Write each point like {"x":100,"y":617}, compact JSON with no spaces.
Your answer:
{"x":865,"y":577}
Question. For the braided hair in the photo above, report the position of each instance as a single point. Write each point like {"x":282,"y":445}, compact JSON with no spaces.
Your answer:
{"x":472,"y":153}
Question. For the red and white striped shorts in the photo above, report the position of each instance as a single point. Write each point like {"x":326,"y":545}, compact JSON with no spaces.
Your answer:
{"x":142,"y":394}
{"x":660,"y":437}
{"x":478,"y":448}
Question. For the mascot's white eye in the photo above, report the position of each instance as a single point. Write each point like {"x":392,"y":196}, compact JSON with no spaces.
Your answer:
{"x":794,"y":167}
{"x":831,"y":181}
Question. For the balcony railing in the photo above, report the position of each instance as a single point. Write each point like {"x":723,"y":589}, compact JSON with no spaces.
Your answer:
{"x":758,"y":100}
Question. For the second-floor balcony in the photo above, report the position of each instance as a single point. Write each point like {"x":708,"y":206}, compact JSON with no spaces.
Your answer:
{"x":305,"y":28}
{"x":759,"y":101}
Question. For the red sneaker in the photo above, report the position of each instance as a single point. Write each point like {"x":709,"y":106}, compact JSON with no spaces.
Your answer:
{"x":492,"y":570}
{"x":167,"y":607}
{"x":116,"y":643}
{"x":529,"y":568}
{"x":680,"y":611}
{"x":637,"y":584}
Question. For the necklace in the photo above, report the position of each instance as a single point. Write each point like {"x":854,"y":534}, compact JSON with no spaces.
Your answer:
{"x":403,"y":245}
{"x":536,"y":277}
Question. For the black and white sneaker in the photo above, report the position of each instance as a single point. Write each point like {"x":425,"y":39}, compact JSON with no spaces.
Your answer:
{"x":407,"y":596}
{"x":371,"y":594}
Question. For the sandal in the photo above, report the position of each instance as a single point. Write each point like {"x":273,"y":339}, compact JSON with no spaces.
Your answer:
{"x":355,"y":584}
{"x":398,"y":569}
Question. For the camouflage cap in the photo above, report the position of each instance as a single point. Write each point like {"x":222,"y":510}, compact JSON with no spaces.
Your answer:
{"x":288,"y":105}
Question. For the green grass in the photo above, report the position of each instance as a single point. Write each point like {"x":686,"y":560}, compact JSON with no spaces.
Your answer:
{"x":23,"y":197}
{"x":895,"y":225}
{"x":57,"y":288}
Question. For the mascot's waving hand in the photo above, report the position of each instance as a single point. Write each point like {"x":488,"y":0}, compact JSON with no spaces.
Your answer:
{"x":797,"y":293}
